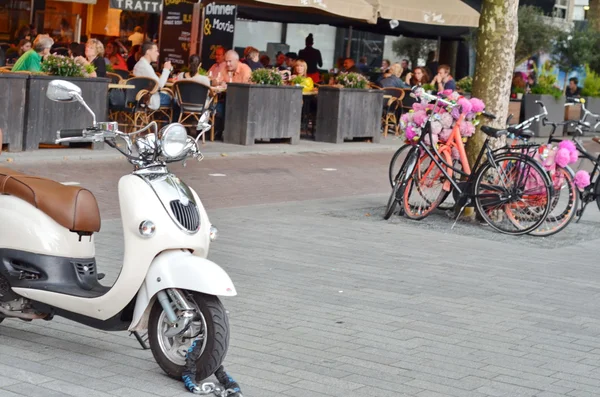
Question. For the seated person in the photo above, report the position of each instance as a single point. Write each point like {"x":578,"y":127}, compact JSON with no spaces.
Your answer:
{"x":251,"y":56}
{"x":391,"y":78}
{"x":237,"y":72}
{"x":418,"y":77}
{"x":32,"y":60}
{"x":94,"y":54}
{"x":350,"y":66}
{"x":143,"y":68}
{"x":443,"y":80}
{"x":573,"y":91}
{"x":306,"y":82}
{"x":193,"y":74}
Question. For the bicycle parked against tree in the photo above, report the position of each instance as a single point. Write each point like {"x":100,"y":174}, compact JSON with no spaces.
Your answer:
{"x":503,"y":187}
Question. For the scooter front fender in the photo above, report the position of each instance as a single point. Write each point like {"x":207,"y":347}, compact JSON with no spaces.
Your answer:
{"x":179,"y":269}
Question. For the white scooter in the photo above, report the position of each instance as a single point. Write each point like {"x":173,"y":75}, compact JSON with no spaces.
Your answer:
{"x":166,"y":285}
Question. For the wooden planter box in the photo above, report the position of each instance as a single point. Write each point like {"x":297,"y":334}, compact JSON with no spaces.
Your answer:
{"x":45,"y":117}
{"x":13,"y":87}
{"x":556,"y":112}
{"x":262,"y":112}
{"x":345,"y":114}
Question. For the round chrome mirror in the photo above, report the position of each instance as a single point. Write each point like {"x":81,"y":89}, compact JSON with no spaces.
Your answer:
{"x":62,"y":91}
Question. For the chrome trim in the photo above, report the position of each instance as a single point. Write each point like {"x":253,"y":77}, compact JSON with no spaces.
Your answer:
{"x":167,"y":188}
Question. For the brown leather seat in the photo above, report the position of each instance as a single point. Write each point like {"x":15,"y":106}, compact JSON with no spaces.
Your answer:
{"x":72,"y":207}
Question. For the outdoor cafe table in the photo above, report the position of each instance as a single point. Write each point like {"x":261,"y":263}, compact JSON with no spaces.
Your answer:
{"x":120,"y":86}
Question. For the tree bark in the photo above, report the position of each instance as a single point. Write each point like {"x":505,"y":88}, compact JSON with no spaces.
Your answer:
{"x":496,"y":42}
{"x":593,"y":15}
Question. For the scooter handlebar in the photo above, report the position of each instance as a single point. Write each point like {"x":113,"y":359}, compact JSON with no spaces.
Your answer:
{"x":69,"y":133}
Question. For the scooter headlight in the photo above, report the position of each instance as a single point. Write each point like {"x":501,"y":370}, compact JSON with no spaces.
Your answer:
{"x":174,"y":140}
{"x":214,"y":233}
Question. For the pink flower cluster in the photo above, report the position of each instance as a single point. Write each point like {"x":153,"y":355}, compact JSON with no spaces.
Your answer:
{"x":444,"y":119}
{"x":562,"y":155}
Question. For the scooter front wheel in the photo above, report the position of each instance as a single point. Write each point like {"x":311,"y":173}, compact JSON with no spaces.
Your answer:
{"x":210,"y":330}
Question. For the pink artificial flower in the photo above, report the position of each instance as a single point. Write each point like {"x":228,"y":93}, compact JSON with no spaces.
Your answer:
{"x":562,"y":157}
{"x":477,"y":105}
{"x":465,"y":105}
{"x":418,"y":106}
{"x":574,"y":156}
{"x":406,"y":118}
{"x":445,"y":134}
{"x":446,"y":93}
{"x":447,"y":120}
{"x":427,"y":139}
{"x":410,"y":133}
{"x":436,"y":127}
{"x":582,"y":179}
{"x":570,"y":146}
{"x":455,"y":154}
{"x":454,"y":96}
{"x":467,"y":129}
{"x":419,"y":118}
{"x":455,"y":112}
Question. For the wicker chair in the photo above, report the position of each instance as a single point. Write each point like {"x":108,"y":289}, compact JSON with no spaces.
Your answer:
{"x":192,"y":98}
{"x":114,"y":78}
{"x":133,"y":109}
{"x":392,"y":109}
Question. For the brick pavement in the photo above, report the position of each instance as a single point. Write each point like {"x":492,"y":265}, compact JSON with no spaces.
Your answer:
{"x":332,"y":301}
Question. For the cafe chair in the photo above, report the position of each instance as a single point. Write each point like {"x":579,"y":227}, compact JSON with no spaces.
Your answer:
{"x":392,"y":109}
{"x":5,"y":69}
{"x":130,"y":109}
{"x":123,"y":73}
{"x":164,"y":114}
{"x":193,"y":99}
{"x":114,"y":78}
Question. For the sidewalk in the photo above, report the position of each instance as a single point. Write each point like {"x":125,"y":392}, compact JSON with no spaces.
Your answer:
{"x":209,"y":149}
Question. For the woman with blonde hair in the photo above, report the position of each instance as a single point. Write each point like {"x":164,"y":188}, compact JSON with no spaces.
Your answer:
{"x":391,"y":78}
{"x":94,"y":54}
{"x":300,"y":69}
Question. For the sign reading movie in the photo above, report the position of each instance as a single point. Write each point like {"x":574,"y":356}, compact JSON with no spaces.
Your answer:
{"x":217,"y":30}
{"x":150,"y":6}
{"x":176,"y":32}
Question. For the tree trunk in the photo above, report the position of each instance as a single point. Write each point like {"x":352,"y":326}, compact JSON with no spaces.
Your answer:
{"x":496,"y":42}
{"x":593,"y":15}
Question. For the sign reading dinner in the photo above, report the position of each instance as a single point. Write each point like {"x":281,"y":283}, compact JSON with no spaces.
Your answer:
{"x":217,"y":30}
{"x":150,"y":6}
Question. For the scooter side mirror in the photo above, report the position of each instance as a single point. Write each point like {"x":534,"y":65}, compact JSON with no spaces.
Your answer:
{"x":63,"y":91}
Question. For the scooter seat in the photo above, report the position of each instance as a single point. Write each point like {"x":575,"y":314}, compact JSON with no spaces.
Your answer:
{"x":70,"y":206}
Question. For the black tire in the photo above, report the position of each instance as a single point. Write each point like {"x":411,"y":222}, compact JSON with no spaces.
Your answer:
{"x":392,"y":172}
{"x":392,"y":202}
{"x":560,"y":215}
{"x":217,"y":337}
{"x":499,"y":205}
{"x":597,"y":192}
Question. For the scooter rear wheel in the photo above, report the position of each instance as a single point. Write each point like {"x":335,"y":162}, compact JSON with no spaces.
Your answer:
{"x":210,"y":330}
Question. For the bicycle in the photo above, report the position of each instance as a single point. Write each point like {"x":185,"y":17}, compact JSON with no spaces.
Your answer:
{"x":520,"y":183}
{"x":565,"y":199}
{"x":591,"y":192}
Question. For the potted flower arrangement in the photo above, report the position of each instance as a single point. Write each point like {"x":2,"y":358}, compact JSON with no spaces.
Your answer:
{"x":45,"y":117}
{"x":444,"y":120}
{"x":348,"y":110}
{"x":519,"y":92}
{"x":546,"y":91}
{"x":264,"y":109}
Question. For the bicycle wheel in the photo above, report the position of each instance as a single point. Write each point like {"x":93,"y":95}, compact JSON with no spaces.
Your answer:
{"x":513,"y":195}
{"x":597,"y":191}
{"x":398,"y":182}
{"x":396,"y":162}
{"x":564,"y":203}
{"x":424,"y":191}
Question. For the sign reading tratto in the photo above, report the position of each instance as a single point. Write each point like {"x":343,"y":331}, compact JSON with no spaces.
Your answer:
{"x":151,"y":6}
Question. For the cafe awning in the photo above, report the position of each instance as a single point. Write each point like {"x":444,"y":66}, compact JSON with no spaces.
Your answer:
{"x":79,"y":1}
{"x":360,"y":10}
{"x":429,"y":12}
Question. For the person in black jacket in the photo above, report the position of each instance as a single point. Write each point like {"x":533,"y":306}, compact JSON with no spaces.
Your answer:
{"x":313,"y":59}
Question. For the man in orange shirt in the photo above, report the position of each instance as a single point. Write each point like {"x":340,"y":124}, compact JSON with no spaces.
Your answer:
{"x":238,"y":72}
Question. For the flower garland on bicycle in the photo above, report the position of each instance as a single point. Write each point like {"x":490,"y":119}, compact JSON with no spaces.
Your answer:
{"x":444,"y":120}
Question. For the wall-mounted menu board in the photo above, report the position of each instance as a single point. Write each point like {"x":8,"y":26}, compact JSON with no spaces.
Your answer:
{"x":176,"y":32}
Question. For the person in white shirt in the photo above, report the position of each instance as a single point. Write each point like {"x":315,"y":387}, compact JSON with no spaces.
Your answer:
{"x":137,"y":38}
{"x":144,"y":69}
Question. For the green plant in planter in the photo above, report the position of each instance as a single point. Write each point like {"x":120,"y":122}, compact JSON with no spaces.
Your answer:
{"x":428,"y":87}
{"x":519,"y":90}
{"x":58,"y":65}
{"x":110,"y":68}
{"x":547,"y":83}
{"x":352,"y":80}
{"x":465,"y":84}
{"x":266,"y":77}
{"x":297,"y":80}
{"x":591,"y":84}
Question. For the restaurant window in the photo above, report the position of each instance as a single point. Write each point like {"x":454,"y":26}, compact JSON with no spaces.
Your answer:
{"x":370,"y":45}
{"x":13,"y":15}
{"x":324,"y":37}
{"x":256,"y":34}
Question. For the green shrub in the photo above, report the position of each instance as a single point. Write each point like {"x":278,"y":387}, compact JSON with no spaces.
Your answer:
{"x":591,"y":84}
{"x":266,"y":77}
